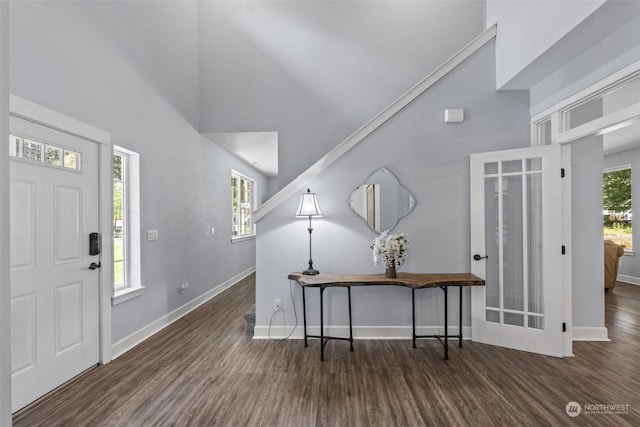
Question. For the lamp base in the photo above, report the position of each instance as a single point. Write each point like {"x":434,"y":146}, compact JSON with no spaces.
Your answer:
{"x":311,"y":272}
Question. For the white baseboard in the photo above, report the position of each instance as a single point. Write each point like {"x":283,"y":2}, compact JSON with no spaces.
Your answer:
{"x":359,"y":332}
{"x":629,"y":279}
{"x":137,"y":337}
{"x":590,"y":334}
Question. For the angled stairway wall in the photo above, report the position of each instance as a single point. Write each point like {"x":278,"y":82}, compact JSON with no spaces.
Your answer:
{"x":431,"y":158}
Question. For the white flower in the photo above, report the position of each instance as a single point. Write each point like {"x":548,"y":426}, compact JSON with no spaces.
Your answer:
{"x":390,"y":249}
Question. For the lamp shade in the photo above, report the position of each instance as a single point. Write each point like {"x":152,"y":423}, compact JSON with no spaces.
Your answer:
{"x":308,"y":205}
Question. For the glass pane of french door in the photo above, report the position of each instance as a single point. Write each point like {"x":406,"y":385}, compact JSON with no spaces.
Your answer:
{"x":513,"y":230}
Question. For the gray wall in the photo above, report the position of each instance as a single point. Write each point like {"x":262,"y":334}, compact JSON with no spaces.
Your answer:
{"x":587,"y":261}
{"x":429,"y":157}
{"x":629,"y":264}
{"x":131,"y":68}
{"x":318,"y":70}
{"x":527,"y":28}
{"x":587,"y":254}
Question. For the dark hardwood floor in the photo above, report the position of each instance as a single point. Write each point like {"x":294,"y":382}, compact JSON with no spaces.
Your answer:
{"x":203,"y":371}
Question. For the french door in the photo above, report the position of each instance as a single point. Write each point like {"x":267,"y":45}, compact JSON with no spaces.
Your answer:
{"x":516,"y":246}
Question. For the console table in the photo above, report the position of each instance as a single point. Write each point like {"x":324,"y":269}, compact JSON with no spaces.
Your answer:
{"x":409,"y":280}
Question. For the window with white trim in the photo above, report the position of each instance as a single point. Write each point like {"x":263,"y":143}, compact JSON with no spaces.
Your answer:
{"x":44,"y":153}
{"x":606,"y":106}
{"x":126,"y":225}
{"x":120,"y":239}
{"x":242,"y":205}
{"x":617,"y":206}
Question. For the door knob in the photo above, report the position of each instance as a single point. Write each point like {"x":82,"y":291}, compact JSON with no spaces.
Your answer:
{"x":93,"y":266}
{"x":478,"y":257}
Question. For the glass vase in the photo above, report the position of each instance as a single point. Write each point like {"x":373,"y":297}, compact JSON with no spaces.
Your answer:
{"x":391,"y":271}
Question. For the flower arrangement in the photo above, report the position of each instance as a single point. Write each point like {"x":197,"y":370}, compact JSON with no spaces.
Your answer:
{"x":390,"y":250}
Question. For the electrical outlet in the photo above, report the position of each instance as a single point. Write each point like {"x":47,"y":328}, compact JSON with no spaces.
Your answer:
{"x":277,"y":305}
{"x":184,"y":287}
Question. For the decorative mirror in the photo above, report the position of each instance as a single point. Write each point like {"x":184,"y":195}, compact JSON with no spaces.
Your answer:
{"x":381,"y":201}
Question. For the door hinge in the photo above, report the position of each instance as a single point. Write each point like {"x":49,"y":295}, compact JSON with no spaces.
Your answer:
{"x":564,"y":249}
{"x":562,"y":173}
{"x":564,"y":327}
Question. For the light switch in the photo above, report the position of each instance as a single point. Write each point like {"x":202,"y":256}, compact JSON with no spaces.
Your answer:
{"x":152,"y":235}
{"x":213,"y":231}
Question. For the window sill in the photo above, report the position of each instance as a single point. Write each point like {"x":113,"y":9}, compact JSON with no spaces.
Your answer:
{"x":243,"y":238}
{"x":628,"y":252}
{"x":127,"y":294}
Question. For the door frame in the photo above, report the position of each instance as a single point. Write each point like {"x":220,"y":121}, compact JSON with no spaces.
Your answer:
{"x":552,"y":115}
{"x":27,"y":110}
{"x":567,"y":272}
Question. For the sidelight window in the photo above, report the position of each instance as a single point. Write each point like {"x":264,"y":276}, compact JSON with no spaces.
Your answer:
{"x":617,"y":213}
{"x":242,"y":204}
{"x":126,"y":225}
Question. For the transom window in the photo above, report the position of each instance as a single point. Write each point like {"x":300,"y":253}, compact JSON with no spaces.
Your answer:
{"x":609,"y":100}
{"x":242,"y":201}
{"x":43,"y":152}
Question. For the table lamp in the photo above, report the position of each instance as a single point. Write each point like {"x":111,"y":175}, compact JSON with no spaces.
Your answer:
{"x":309,"y":208}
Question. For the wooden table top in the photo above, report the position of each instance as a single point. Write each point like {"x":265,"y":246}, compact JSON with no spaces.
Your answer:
{"x":411,"y":280}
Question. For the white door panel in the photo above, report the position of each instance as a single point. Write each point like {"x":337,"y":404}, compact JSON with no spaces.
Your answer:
{"x":23,"y":332}
{"x":54,"y":295}
{"x":516,"y":229}
{"x":68,"y":223}
{"x":23,"y":224}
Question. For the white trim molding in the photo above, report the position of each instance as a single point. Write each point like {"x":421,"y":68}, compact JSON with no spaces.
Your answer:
{"x":359,"y":332}
{"x":152,"y":328}
{"x":567,"y":269}
{"x":127,"y":294}
{"x":300,"y":183}
{"x":619,"y":75}
{"x":35,"y":113}
{"x":581,"y":333}
{"x":629,"y":279}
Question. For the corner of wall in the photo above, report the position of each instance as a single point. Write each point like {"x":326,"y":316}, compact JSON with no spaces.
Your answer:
{"x":5,"y":288}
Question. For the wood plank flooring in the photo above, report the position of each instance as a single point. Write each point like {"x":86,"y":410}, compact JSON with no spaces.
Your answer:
{"x":204,"y":371}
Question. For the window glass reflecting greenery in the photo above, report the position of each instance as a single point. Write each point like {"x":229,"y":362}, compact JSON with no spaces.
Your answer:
{"x":53,"y":155}
{"x":617,"y":207}
{"x":119,"y":222}
{"x":242,"y":205}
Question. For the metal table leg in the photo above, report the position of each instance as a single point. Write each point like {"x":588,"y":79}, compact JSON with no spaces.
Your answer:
{"x":324,"y":339}
{"x":446,"y":325}
{"x":460,"y":320}
{"x":304,"y":315}
{"x":322,"y":342}
{"x":444,"y":338}
{"x":413,"y":314}
{"x":350,"y":322}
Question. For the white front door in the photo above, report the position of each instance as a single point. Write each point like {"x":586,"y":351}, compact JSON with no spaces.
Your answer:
{"x":54,"y":294}
{"x":516,"y":223}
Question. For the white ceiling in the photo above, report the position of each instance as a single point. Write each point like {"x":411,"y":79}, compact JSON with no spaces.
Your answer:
{"x":622,"y":139}
{"x":258,"y":149}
